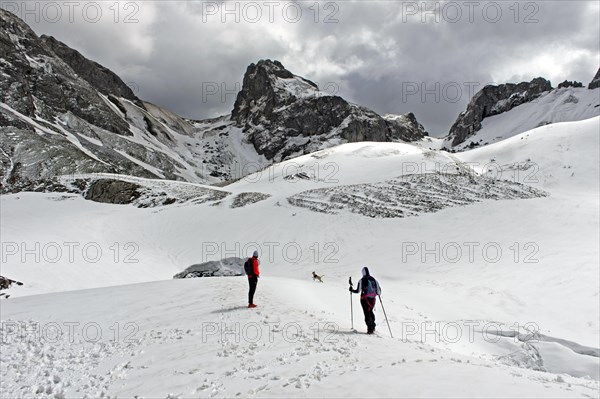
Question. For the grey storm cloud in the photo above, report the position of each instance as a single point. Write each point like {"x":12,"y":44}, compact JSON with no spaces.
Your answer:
{"x":425,"y":57}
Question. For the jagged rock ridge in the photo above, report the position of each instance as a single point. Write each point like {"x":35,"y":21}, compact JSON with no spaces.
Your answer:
{"x":103,"y":79}
{"x":285,"y":115}
{"x":494,"y":100}
{"x":61,"y":113}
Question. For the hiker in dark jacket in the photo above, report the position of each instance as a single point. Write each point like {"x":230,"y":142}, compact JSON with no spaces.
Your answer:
{"x":253,"y":279}
{"x":369,"y":289}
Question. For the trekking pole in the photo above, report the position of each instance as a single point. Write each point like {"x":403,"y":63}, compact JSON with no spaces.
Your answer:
{"x":386,"y":319}
{"x":351,"y":310}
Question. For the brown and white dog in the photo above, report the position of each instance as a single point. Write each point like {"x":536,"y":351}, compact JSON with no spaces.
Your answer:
{"x":5,"y":283}
{"x":316,"y":277}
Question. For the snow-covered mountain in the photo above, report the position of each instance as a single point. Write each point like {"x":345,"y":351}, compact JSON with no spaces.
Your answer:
{"x":499,"y":112}
{"x":558,"y":105}
{"x":286,"y":115}
{"x":61,"y":114}
{"x":487,"y":258}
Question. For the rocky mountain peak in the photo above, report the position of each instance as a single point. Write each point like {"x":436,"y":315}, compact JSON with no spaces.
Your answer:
{"x":569,"y":83}
{"x":407,"y":125}
{"x":61,"y":113}
{"x":494,"y":100}
{"x":11,"y":24}
{"x":284,"y":115}
{"x":272,"y":67}
{"x":267,"y":85}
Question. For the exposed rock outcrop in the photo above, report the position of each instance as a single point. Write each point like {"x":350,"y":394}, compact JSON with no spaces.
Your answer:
{"x":36,"y":82}
{"x":595,"y":83}
{"x":61,"y":113}
{"x":494,"y":100}
{"x":103,"y":79}
{"x":113,"y":191}
{"x":568,"y":83}
{"x":225,"y":267}
{"x":285,"y":115}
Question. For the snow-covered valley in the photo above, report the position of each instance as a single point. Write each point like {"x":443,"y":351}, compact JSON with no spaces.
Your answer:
{"x":497,"y":296}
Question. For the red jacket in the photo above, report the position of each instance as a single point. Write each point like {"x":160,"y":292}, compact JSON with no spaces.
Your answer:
{"x":255,"y":266}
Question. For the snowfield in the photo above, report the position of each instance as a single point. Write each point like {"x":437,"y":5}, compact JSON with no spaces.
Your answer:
{"x":499,"y":297}
{"x":193,"y":338}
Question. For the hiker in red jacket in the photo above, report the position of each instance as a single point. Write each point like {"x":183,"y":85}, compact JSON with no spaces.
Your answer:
{"x":253,"y":275}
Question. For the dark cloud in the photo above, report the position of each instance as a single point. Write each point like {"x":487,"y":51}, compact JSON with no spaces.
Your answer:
{"x":374,"y":53}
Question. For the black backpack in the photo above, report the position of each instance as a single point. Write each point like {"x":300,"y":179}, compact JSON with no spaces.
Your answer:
{"x":249,"y":267}
{"x":369,"y":287}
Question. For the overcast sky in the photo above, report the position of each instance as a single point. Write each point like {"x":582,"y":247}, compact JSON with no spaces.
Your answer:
{"x":190,"y":56}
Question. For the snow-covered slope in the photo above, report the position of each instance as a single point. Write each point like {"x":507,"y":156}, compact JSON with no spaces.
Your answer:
{"x":158,"y":145}
{"x":560,"y":157}
{"x":191,"y":338}
{"x":523,"y":267}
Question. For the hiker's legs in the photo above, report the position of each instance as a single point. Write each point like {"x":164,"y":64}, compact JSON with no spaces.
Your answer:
{"x":372,"y":312}
{"x":252,"y":281}
{"x":368,"y":304}
{"x":364,"y":302}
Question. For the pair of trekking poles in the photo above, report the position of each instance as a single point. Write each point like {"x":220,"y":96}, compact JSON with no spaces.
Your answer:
{"x":352,"y":310}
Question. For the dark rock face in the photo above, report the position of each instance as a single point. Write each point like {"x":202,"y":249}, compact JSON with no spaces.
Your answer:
{"x":140,"y":192}
{"x":405,"y":127}
{"x":36,"y":81}
{"x":285,"y":115}
{"x":113,"y":191}
{"x":494,"y":100}
{"x":259,"y":89}
{"x":568,"y":83}
{"x":103,"y":79}
{"x":595,"y":83}
{"x":65,"y":114}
